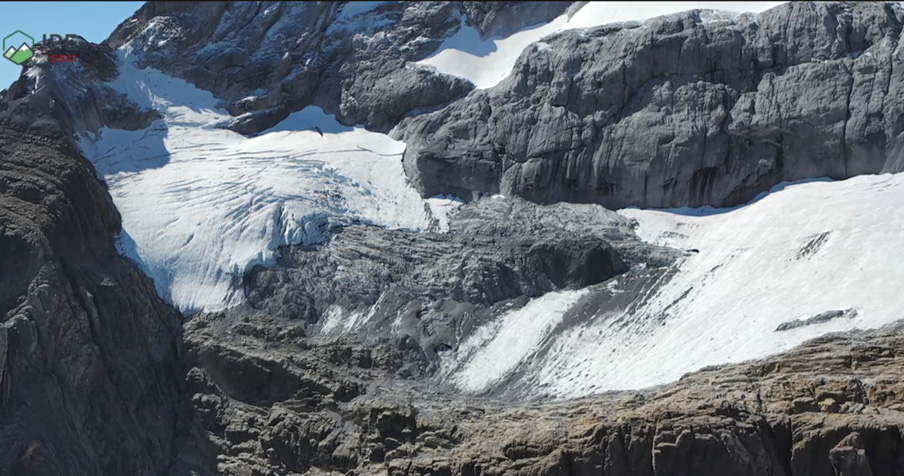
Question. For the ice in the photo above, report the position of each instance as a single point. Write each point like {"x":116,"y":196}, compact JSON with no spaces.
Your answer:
{"x":487,"y":62}
{"x":755,"y":269}
{"x":498,"y":347}
{"x":360,"y":18}
{"x":352,"y":9}
{"x":200,"y":205}
{"x":339,"y":320}
{"x":441,"y":208}
{"x":799,"y":251}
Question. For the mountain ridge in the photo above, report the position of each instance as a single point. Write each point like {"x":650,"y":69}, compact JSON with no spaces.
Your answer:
{"x":391,"y":349}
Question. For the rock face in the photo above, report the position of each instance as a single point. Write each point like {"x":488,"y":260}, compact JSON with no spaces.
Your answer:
{"x":268,"y":59}
{"x":428,"y":292}
{"x":689,"y":109}
{"x":90,"y":371}
{"x":492,"y":19}
{"x":98,"y":375}
{"x":270,"y":402}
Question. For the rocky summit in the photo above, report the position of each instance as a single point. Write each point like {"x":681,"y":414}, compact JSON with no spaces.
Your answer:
{"x":457,"y":238}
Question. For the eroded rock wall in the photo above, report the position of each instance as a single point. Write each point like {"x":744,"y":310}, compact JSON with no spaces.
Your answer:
{"x":91,"y":380}
{"x":690,"y":109}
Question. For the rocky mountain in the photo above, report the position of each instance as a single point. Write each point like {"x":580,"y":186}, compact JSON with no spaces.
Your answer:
{"x":91,"y":374}
{"x":683,"y":110}
{"x":277,"y":238}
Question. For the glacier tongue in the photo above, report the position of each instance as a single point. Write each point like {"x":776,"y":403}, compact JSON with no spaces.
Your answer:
{"x":201,"y":205}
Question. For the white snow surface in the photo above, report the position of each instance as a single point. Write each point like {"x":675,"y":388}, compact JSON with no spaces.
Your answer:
{"x":797,"y":252}
{"x":498,"y":347}
{"x":487,"y":62}
{"x":202,"y":205}
{"x":353,"y":9}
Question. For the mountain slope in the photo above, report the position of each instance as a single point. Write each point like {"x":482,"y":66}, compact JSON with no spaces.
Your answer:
{"x":223,"y":203}
{"x":91,"y":375}
{"x":487,"y":61}
{"x":227,"y":207}
{"x":688,"y":109}
{"x":277,"y":167}
{"x":751,"y":285}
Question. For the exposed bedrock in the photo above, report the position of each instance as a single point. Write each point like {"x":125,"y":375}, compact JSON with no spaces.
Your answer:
{"x":831,"y":406}
{"x":91,"y":380}
{"x":427,"y":292}
{"x":268,"y":59}
{"x":689,"y":109}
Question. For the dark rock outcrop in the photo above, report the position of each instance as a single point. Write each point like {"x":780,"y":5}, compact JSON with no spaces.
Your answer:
{"x":269,"y":59}
{"x":834,"y":404}
{"x":689,"y":109}
{"x":427,"y":292}
{"x":90,"y":371}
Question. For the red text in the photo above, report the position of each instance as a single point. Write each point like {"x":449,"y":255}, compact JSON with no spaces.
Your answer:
{"x":63,"y":58}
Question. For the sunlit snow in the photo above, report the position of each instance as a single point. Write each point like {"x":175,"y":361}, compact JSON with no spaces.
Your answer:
{"x":201,"y":205}
{"x":501,"y":345}
{"x":487,"y":62}
{"x":800,"y":251}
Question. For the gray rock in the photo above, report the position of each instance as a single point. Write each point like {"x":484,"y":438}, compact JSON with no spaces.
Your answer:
{"x":428,"y":292}
{"x":849,"y":457}
{"x":677,"y":111}
{"x":90,"y":371}
{"x":269,"y":59}
{"x":75,"y":96}
{"x":817,"y":319}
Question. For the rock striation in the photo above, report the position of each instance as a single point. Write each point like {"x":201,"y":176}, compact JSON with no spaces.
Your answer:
{"x":689,"y":109}
{"x":99,"y":376}
{"x":91,"y":380}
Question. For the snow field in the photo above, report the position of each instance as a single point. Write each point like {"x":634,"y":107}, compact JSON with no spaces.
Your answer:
{"x":800,"y":251}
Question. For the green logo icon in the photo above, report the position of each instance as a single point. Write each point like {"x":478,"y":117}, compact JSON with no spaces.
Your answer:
{"x":18,"y":47}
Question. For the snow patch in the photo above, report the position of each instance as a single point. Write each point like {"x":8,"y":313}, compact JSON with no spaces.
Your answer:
{"x":353,"y":9}
{"x":441,"y":208}
{"x":750,"y":276}
{"x":807,"y":259}
{"x":486,"y":62}
{"x":339,"y":320}
{"x":360,"y":18}
{"x":500,"y":346}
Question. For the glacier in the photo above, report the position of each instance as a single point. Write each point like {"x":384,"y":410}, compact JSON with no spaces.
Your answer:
{"x":797,"y":252}
{"x":201,"y":205}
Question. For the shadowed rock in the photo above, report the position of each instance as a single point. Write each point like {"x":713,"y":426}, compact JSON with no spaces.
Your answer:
{"x":90,"y":371}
